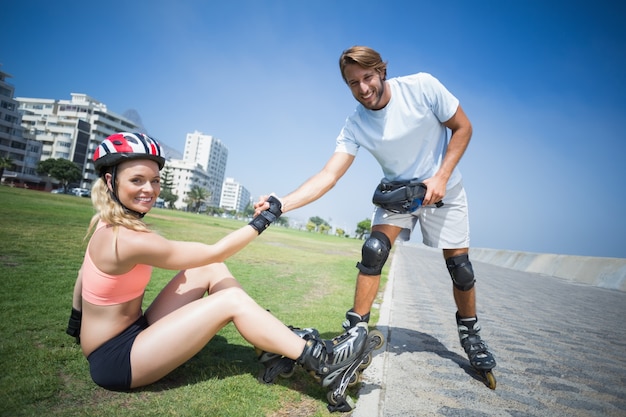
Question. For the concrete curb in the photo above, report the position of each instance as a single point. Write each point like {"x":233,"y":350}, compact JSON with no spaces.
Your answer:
{"x":371,"y":399}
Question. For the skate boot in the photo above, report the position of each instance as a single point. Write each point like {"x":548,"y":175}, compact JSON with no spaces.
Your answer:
{"x":335,"y":363}
{"x":275,"y":365}
{"x":352,"y":319}
{"x":476,"y":349}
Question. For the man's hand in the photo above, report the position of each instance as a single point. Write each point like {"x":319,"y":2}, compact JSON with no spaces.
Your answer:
{"x":435,"y":190}
{"x":266,"y":212}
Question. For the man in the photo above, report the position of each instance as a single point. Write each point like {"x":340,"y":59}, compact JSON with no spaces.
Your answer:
{"x":404,"y":123}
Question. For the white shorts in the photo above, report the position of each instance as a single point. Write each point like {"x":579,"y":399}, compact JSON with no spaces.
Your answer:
{"x":445,"y":227}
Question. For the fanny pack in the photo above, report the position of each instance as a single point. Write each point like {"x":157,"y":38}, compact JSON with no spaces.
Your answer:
{"x":399,"y":196}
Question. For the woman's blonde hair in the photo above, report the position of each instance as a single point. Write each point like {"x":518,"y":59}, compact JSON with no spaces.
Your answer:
{"x":111,"y":212}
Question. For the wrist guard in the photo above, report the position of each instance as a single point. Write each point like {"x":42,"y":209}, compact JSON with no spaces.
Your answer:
{"x":267,"y":217}
{"x":73,"y":326}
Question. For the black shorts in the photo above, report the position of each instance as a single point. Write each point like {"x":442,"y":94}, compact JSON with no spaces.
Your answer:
{"x":110,"y":363}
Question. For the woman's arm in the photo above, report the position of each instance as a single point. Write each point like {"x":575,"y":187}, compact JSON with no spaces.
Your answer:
{"x":76,"y":315}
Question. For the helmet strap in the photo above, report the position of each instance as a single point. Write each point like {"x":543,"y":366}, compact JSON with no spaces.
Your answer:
{"x":113,"y":192}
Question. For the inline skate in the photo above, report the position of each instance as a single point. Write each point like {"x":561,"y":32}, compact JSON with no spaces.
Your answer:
{"x":339,"y":381}
{"x":476,"y":349}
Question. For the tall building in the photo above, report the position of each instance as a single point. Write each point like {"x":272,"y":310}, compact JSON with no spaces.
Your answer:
{"x":71,"y":129}
{"x":212,"y":155}
{"x":15,"y":144}
{"x":185,"y":176}
{"x":234,"y":196}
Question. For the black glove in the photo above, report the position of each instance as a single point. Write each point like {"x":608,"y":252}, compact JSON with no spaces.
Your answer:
{"x":73,"y":326}
{"x":267,"y":217}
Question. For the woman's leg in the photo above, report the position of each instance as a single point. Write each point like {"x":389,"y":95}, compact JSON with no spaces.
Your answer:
{"x":182,"y":323}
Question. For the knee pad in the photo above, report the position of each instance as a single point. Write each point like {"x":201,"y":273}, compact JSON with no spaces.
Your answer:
{"x":461,"y":271}
{"x":374,"y":254}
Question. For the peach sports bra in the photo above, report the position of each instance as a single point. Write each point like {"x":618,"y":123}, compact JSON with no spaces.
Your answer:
{"x":105,"y":289}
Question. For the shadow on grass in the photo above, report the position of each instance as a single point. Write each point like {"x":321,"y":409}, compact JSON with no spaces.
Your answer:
{"x":218,"y":359}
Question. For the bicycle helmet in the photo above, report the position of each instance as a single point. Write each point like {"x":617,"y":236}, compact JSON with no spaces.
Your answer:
{"x":125,"y":146}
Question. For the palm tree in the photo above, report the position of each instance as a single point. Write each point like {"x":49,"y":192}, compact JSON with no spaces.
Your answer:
{"x":5,"y":162}
{"x":197,"y":196}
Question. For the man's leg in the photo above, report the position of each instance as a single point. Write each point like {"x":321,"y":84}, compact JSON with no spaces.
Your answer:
{"x":374,"y":256}
{"x":464,"y":291}
{"x":465,"y":299}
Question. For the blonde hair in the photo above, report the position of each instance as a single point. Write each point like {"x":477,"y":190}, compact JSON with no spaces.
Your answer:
{"x":111,"y":212}
{"x":363,"y":56}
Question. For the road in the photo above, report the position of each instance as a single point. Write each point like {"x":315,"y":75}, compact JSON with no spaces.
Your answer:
{"x":560,"y":347}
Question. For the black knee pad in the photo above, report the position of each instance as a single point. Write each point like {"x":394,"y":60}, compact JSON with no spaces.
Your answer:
{"x":374,"y":254}
{"x":461,"y":271}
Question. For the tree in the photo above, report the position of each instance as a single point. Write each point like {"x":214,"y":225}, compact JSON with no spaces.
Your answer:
{"x":323,"y":229}
{"x":196,"y":197}
{"x":167,"y":184}
{"x":340,"y":232}
{"x":363,"y":227}
{"x":5,"y":162}
{"x":318,"y":221}
{"x":63,"y":170}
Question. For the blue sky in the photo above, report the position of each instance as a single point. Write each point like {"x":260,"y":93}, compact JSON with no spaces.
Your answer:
{"x":542,"y":81}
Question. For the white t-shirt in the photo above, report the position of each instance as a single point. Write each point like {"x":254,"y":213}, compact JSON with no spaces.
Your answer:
{"x":407,"y":137}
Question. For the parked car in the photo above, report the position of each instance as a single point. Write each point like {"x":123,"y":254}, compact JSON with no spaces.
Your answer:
{"x":58,"y":191}
{"x":81,"y":192}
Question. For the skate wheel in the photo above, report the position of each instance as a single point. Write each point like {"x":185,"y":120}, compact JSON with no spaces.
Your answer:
{"x":340,"y":403}
{"x":490,"y":380}
{"x":378,"y":336}
{"x":288,"y":374}
{"x":367,"y":361}
{"x":354,"y":379}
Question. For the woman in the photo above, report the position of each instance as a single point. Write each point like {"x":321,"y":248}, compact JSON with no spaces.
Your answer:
{"x":127,"y":348}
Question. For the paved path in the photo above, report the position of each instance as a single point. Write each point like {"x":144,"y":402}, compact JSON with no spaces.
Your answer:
{"x":560,"y":347}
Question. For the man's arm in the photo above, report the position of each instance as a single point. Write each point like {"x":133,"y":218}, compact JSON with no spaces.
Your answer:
{"x":315,"y":187}
{"x":461,"y":129}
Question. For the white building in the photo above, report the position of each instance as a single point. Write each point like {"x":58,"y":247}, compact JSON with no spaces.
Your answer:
{"x":234,"y":196}
{"x":212,"y":155}
{"x":186,"y":175}
{"x":22,"y":150}
{"x":71,"y":129}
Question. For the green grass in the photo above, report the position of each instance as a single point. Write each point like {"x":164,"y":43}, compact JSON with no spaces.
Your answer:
{"x":305,"y":279}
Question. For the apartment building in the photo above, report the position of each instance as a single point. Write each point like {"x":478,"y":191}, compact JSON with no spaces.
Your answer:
{"x":71,"y":129}
{"x":16,"y":145}
{"x":185,"y":176}
{"x":212,"y":155}
{"x":234,"y":196}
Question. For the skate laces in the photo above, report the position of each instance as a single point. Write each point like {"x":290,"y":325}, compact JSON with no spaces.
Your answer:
{"x":469,"y":332}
